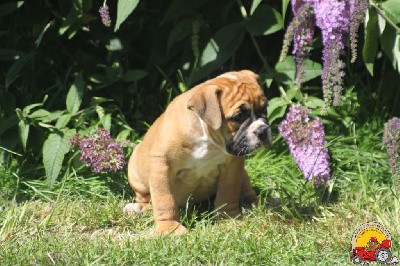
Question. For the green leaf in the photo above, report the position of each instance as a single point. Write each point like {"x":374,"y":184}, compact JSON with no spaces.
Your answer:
{"x":114,"y":72}
{"x":99,"y":79}
{"x":314,"y":102}
{"x":20,"y":114}
{"x":124,"y":9}
{"x":106,"y":121}
{"x":286,"y":70}
{"x":9,"y":102}
{"x":23,"y":129}
{"x":277,"y":113}
{"x":397,"y":51}
{"x":388,"y":44}
{"x":10,"y":54}
{"x":392,"y":10}
{"x":219,"y":49}
{"x":179,"y":32}
{"x":27,"y":109}
{"x":123,"y":135}
{"x":115,"y":45}
{"x":134,"y":75}
{"x":14,"y":71}
{"x":294,"y":93}
{"x":371,"y":40}
{"x":179,"y":8}
{"x":45,"y":125}
{"x":276,"y":108}
{"x":381,"y":24}
{"x":87,"y":5}
{"x":54,"y":115}
{"x":63,"y":121}
{"x":75,"y":95}
{"x":8,"y":8}
{"x":78,"y":4}
{"x":285,"y":4}
{"x":264,"y":21}
{"x":8,"y":123}
{"x":70,"y":23}
{"x":99,"y":100}
{"x":254,"y":6}
{"x":100,"y":112}
{"x":40,"y":114}
{"x":54,"y":149}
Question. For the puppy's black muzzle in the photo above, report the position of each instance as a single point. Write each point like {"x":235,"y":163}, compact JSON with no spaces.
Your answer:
{"x":265,"y":135}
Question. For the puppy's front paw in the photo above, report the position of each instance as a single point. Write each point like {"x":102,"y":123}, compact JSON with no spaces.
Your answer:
{"x":228,"y":210}
{"x":168,"y":227}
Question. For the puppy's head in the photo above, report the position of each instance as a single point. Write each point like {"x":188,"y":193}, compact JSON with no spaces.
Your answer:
{"x":233,"y":105}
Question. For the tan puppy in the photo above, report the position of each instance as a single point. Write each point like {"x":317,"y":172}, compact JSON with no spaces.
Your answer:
{"x":195,"y":150}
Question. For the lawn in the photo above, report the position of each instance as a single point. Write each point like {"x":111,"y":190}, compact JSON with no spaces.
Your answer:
{"x":81,"y":221}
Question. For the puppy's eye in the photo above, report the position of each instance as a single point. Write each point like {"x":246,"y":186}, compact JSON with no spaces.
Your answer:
{"x":239,"y":117}
{"x":262,"y":112}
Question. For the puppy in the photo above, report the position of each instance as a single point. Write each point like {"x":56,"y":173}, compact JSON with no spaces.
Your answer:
{"x":195,"y":150}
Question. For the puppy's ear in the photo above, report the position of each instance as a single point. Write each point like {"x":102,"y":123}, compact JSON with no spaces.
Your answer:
{"x":205,"y":102}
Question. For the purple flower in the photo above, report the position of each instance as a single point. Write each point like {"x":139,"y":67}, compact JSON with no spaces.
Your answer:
{"x":337,"y":20}
{"x":100,"y":151}
{"x":357,"y":14}
{"x":306,"y":143}
{"x":303,"y":34}
{"x":105,"y":15}
{"x":391,"y":139}
{"x":300,"y":31}
{"x":333,"y":18}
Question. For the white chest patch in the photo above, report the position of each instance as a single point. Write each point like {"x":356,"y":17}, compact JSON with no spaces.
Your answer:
{"x":201,"y":144}
{"x":206,"y":156}
{"x":199,"y":173}
{"x":201,"y":148}
{"x":204,"y":163}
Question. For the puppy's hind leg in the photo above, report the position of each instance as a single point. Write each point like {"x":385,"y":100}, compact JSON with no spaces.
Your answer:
{"x":142,"y":193}
{"x":142,"y":202}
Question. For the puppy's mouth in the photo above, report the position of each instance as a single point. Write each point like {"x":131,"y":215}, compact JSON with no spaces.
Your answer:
{"x":249,"y":140}
{"x":240,"y":149}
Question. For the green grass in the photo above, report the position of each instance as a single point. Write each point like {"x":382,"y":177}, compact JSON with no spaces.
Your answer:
{"x":81,"y":221}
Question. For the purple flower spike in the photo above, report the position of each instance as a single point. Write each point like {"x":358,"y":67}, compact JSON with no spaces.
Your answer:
{"x":306,"y":143}
{"x":333,"y":18}
{"x":100,"y":151}
{"x":391,"y":139}
{"x":303,"y":34}
{"x":105,"y":14}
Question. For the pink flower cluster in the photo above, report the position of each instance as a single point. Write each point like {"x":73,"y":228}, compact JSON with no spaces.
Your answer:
{"x":337,"y":19}
{"x":306,"y":142}
{"x":391,"y":138}
{"x":100,"y":151}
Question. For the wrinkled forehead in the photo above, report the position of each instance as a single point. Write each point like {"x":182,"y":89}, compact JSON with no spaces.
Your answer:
{"x":239,"y":90}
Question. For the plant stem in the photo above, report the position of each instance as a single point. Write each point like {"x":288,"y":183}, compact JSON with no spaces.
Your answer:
{"x":255,"y":44}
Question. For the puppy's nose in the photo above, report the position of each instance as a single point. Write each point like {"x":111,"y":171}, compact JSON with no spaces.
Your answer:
{"x":264,"y":134}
